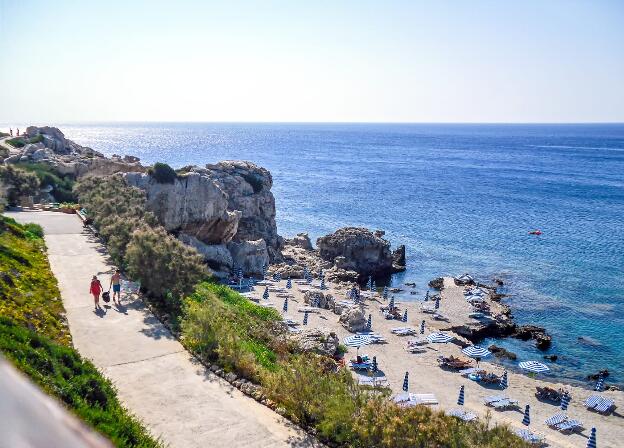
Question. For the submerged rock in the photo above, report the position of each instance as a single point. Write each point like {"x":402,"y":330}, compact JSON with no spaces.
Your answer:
{"x":436,"y":283}
{"x":500,"y":352}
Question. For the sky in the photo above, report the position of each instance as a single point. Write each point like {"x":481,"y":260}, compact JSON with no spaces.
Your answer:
{"x":320,"y":61}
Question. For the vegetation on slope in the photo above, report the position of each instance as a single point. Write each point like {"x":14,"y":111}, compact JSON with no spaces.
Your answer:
{"x":20,"y":142}
{"x":35,"y":337}
{"x":18,"y":183}
{"x":223,"y":327}
{"x":62,"y":185}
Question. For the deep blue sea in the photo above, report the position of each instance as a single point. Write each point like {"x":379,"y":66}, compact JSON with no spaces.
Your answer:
{"x":460,"y":197}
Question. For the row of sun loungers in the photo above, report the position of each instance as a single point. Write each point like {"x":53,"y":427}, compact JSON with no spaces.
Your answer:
{"x":501,"y":402}
{"x":404,"y":331}
{"x":599,"y":404}
{"x":561,"y":422}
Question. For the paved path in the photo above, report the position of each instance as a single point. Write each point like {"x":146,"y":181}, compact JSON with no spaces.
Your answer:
{"x":156,"y":378}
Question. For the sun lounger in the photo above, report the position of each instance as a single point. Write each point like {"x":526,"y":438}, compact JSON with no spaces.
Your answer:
{"x":489,"y":401}
{"x":599,"y":404}
{"x":291,"y":322}
{"x":364,"y":380}
{"x":308,"y":309}
{"x":294,"y":330}
{"x":365,"y":365}
{"x":556,"y":420}
{"x":570,"y":426}
{"x":462,"y":415}
{"x":530,"y":437}
{"x":424,"y":398}
{"x":438,"y":316}
{"x":417,"y":341}
{"x":504,"y":405}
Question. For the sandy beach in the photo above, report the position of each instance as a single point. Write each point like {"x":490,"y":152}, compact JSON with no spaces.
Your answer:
{"x":427,"y":377}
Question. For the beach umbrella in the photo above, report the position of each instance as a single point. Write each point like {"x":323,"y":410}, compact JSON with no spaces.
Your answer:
{"x":591,"y":443}
{"x":289,"y":283}
{"x":504,"y":381}
{"x":427,"y":296}
{"x":375,"y":366}
{"x":369,"y":323}
{"x":526,"y":420}
{"x":474,"y":351}
{"x":305,"y":318}
{"x":239,"y":274}
{"x":600,"y":384}
{"x":321,"y":275}
{"x":565,"y":401}
{"x":264,"y":271}
{"x":460,"y":399}
{"x":357,"y":340}
{"x":374,"y":287}
{"x":437,"y":303}
{"x":534,"y":366}
{"x":323,"y":283}
{"x":305,"y":271}
{"x":406,"y":382}
{"x":369,"y":283}
{"x":439,"y":338}
{"x":265,"y":296}
{"x":285,"y":307}
{"x":385,"y":293}
{"x":404,"y":316}
{"x":391,"y":304}
{"x":278,"y":277}
{"x":422,"y":327}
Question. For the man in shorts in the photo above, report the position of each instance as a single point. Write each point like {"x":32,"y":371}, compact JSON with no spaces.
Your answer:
{"x":115,"y":283}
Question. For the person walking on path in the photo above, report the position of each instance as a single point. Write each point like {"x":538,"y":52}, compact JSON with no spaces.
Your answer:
{"x":96,"y":290}
{"x":115,"y":282}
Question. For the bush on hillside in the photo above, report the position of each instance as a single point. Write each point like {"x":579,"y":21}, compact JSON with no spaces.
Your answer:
{"x":166,"y":267}
{"x":62,"y":185}
{"x":18,"y":183}
{"x":162,"y":173}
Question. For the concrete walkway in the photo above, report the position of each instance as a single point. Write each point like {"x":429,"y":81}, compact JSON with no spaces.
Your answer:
{"x":157,"y":379}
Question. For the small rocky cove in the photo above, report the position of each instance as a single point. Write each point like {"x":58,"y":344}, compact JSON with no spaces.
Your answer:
{"x":226,"y":211}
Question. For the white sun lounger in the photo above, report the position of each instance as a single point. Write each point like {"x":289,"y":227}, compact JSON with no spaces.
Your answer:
{"x":489,"y":401}
{"x":364,"y":380}
{"x":570,"y":426}
{"x":556,"y":420}
{"x":599,"y":404}
{"x":462,"y":414}
{"x":505,"y":404}
{"x":424,"y":398}
{"x":308,"y":309}
{"x":530,"y":437}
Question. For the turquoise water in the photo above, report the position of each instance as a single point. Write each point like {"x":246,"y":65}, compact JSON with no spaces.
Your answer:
{"x":460,"y":197}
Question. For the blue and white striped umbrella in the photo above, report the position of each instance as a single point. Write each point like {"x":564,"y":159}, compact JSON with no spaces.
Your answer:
{"x":391,"y":304}
{"x":504,"y":384}
{"x":239,"y":274}
{"x":526,"y":420}
{"x":385,"y":293}
{"x":565,"y":401}
{"x":309,"y":278}
{"x":439,"y":338}
{"x":264,"y":271}
{"x":406,"y":382}
{"x":427,"y":296}
{"x":265,"y":296}
{"x":534,"y":366}
{"x":375,"y":366}
{"x":285,"y":307}
{"x":321,"y":274}
{"x":288,"y":283}
{"x":599,"y":384}
{"x":278,"y":277}
{"x":306,"y":271}
{"x":323,"y":283}
{"x":591,"y":442}
{"x":422,"y":327}
{"x":437,"y":303}
{"x":374,"y":287}
{"x":305,"y":318}
{"x":460,"y":399}
{"x":404,"y":317}
{"x":369,"y":323}
{"x":357,"y":340}
{"x":474,"y":351}
{"x":369,"y":283}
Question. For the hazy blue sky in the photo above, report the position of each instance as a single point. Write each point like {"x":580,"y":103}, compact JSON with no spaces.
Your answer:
{"x":407,"y":61}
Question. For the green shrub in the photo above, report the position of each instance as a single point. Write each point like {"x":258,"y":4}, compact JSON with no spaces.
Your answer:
{"x":62,"y":185}
{"x":36,"y":139}
{"x":165,"y":266}
{"x":19,"y":183}
{"x":162,"y":173}
{"x":16,"y":142}
{"x":61,"y":372}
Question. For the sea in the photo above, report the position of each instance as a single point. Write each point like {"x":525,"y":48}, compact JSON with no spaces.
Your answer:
{"x":462,"y":198}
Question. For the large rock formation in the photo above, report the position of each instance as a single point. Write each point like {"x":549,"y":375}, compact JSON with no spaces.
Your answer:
{"x":66,"y":156}
{"x":251,"y":256}
{"x":358,"y":249}
{"x":193,"y":204}
{"x":317,"y":340}
{"x":353,"y":319}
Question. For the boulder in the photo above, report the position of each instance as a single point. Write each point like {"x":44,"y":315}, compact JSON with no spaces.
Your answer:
{"x":251,"y":256}
{"x":317,"y":340}
{"x":248,"y":190}
{"x":193,"y":204}
{"x":363,"y":252}
{"x":325,"y":301}
{"x":41,"y":154}
{"x":353,"y":319}
{"x":436,"y":283}
{"x":301,"y":240}
{"x":500,"y":352}
{"x":398,"y":258}
{"x":217,"y":256}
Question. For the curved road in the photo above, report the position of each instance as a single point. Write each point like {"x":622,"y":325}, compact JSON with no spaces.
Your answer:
{"x":157,"y":379}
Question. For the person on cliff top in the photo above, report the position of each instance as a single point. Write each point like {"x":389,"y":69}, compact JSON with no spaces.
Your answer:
{"x":115,"y":283}
{"x":96,"y":290}
{"x":11,"y":132}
